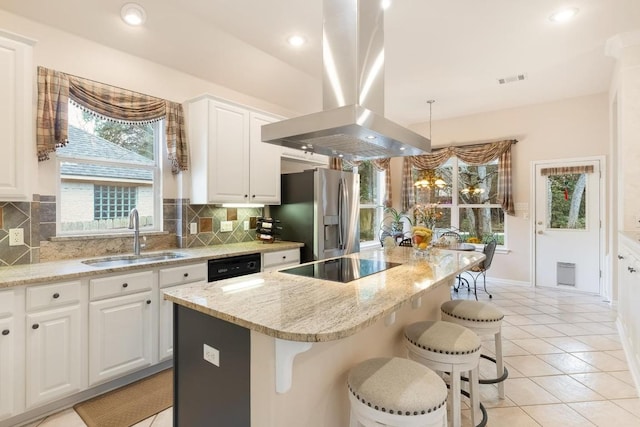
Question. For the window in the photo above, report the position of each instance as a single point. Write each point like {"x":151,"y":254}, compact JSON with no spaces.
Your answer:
{"x":467,"y":201}
{"x":372,"y":196}
{"x":112,"y":201}
{"x":107,"y":169}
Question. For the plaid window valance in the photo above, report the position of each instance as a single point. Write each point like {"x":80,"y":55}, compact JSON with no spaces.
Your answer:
{"x":567,"y":170}
{"x":55,"y":89}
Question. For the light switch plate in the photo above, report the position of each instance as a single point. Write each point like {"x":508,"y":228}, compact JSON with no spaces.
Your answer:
{"x":226,"y":226}
{"x":193,"y":228}
{"x":246,"y":226}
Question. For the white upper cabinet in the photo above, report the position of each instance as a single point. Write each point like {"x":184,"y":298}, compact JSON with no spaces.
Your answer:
{"x":16,"y":117}
{"x":229,"y":163}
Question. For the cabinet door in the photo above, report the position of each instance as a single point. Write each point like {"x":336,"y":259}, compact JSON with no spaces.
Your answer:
{"x":165,"y":341}
{"x":228,"y":153}
{"x":53,"y":354}
{"x":120,"y":336}
{"x":16,"y":118}
{"x":264,"y":165}
{"x":7,"y":367}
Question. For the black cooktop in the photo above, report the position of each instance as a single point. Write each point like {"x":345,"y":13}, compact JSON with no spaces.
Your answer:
{"x":341,"y":269}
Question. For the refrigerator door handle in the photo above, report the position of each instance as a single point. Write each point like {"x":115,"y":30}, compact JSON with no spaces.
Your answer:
{"x":341,"y":202}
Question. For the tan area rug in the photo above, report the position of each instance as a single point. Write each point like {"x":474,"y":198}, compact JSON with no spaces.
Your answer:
{"x":130,"y":404}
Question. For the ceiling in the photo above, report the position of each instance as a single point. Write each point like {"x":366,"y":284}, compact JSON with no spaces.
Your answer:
{"x":450,"y":51}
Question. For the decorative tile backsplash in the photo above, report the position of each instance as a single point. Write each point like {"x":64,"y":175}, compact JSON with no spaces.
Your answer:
{"x":22,"y":215}
{"x":38,"y":219}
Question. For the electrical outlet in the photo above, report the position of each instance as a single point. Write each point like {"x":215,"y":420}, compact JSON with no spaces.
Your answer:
{"x":246,"y":226}
{"x":193,"y":228}
{"x":211,"y":355}
{"x":16,"y":236}
{"x":226,"y":226}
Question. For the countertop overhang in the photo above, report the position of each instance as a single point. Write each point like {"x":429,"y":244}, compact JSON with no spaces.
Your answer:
{"x":46,"y":272}
{"x":302,"y":309}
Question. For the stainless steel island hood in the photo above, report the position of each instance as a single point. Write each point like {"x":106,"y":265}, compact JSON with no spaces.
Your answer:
{"x":352,"y":124}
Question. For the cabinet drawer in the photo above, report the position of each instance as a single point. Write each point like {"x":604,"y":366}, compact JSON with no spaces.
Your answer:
{"x":183,"y":274}
{"x":120,"y":285}
{"x":45,"y":296}
{"x":6,"y":303}
{"x":291,"y":256}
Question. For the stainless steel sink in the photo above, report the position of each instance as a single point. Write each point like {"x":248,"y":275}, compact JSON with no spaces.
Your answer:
{"x":118,"y":261}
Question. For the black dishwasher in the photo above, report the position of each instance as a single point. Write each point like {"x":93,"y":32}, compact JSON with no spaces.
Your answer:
{"x":198,"y":402}
{"x":225,"y":268}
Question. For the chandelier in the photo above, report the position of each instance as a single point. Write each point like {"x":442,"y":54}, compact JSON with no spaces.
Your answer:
{"x":429,"y":179}
{"x":472,"y":189}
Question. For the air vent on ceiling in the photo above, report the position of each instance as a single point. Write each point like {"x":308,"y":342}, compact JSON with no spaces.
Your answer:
{"x":511,"y":79}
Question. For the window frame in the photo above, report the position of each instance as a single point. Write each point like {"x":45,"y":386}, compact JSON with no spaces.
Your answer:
{"x":378,"y":208}
{"x":454,"y":207}
{"x":155,"y":169}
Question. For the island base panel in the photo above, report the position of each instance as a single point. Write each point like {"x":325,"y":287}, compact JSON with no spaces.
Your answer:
{"x":206,"y":395}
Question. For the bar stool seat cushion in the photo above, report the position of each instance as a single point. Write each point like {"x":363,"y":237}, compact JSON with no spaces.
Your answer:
{"x":397,"y":386}
{"x":474,"y":311}
{"x":442,"y":337}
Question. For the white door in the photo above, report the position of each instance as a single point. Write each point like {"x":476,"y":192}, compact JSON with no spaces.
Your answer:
{"x":567,"y":225}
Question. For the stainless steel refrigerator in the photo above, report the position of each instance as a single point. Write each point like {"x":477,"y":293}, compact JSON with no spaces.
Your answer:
{"x":321,"y":208}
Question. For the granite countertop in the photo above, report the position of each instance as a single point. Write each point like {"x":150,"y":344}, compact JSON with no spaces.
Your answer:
{"x":298,"y":308}
{"x":70,"y":269}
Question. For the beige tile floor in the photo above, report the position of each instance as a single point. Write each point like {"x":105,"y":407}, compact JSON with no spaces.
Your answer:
{"x":566,"y":365}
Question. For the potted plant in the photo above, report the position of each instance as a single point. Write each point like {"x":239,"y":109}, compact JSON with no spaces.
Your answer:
{"x":394,"y":218}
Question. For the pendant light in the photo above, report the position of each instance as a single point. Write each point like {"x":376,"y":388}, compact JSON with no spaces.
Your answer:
{"x":430,"y":178}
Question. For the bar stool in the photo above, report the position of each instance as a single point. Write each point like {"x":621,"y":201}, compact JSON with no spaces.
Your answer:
{"x":447,"y":347}
{"x":396,"y":392}
{"x":483,"y":319}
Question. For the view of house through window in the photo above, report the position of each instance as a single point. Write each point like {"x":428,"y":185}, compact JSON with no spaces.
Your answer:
{"x":371,"y":200}
{"x":467,"y":202}
{"x":107,"y":169}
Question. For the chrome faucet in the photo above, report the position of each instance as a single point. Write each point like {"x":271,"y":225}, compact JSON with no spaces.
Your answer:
{"x":134,"y":223}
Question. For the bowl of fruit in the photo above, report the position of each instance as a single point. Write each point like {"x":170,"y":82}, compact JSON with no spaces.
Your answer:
{"x":421,"y":237}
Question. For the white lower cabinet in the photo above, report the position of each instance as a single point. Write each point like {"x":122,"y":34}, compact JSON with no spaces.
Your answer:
{"x":121,"y":326}
{"x":53,"y":354}
{"x":280,"y":259}
{"x":53,"y":342}
{"x":9,"y":375}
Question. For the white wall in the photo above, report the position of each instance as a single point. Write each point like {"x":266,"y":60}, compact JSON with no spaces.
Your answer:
{"x":574,"y":127}
{"x":74,"y":55}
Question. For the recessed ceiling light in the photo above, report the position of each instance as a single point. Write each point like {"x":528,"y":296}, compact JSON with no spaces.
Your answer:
{"x":133,"y":14}
{"x":563,"y":15}
{"x":296,"y":40}
{"x":385,"y":4}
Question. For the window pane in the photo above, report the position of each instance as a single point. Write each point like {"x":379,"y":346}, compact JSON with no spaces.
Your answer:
{"x":482,"y":224}
{"x":369,"y":186}
{"x":368,"y":224}
{"x":477,"y":184}
{"x":566,"y":201}
{"x":439,"y":185}
{"x":99,"y":198}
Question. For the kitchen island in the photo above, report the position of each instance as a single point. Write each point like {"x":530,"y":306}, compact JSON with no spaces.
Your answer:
{"x":252,"y":328}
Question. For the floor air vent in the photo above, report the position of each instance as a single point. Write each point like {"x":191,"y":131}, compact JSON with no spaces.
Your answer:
{"x":511,"y":79}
